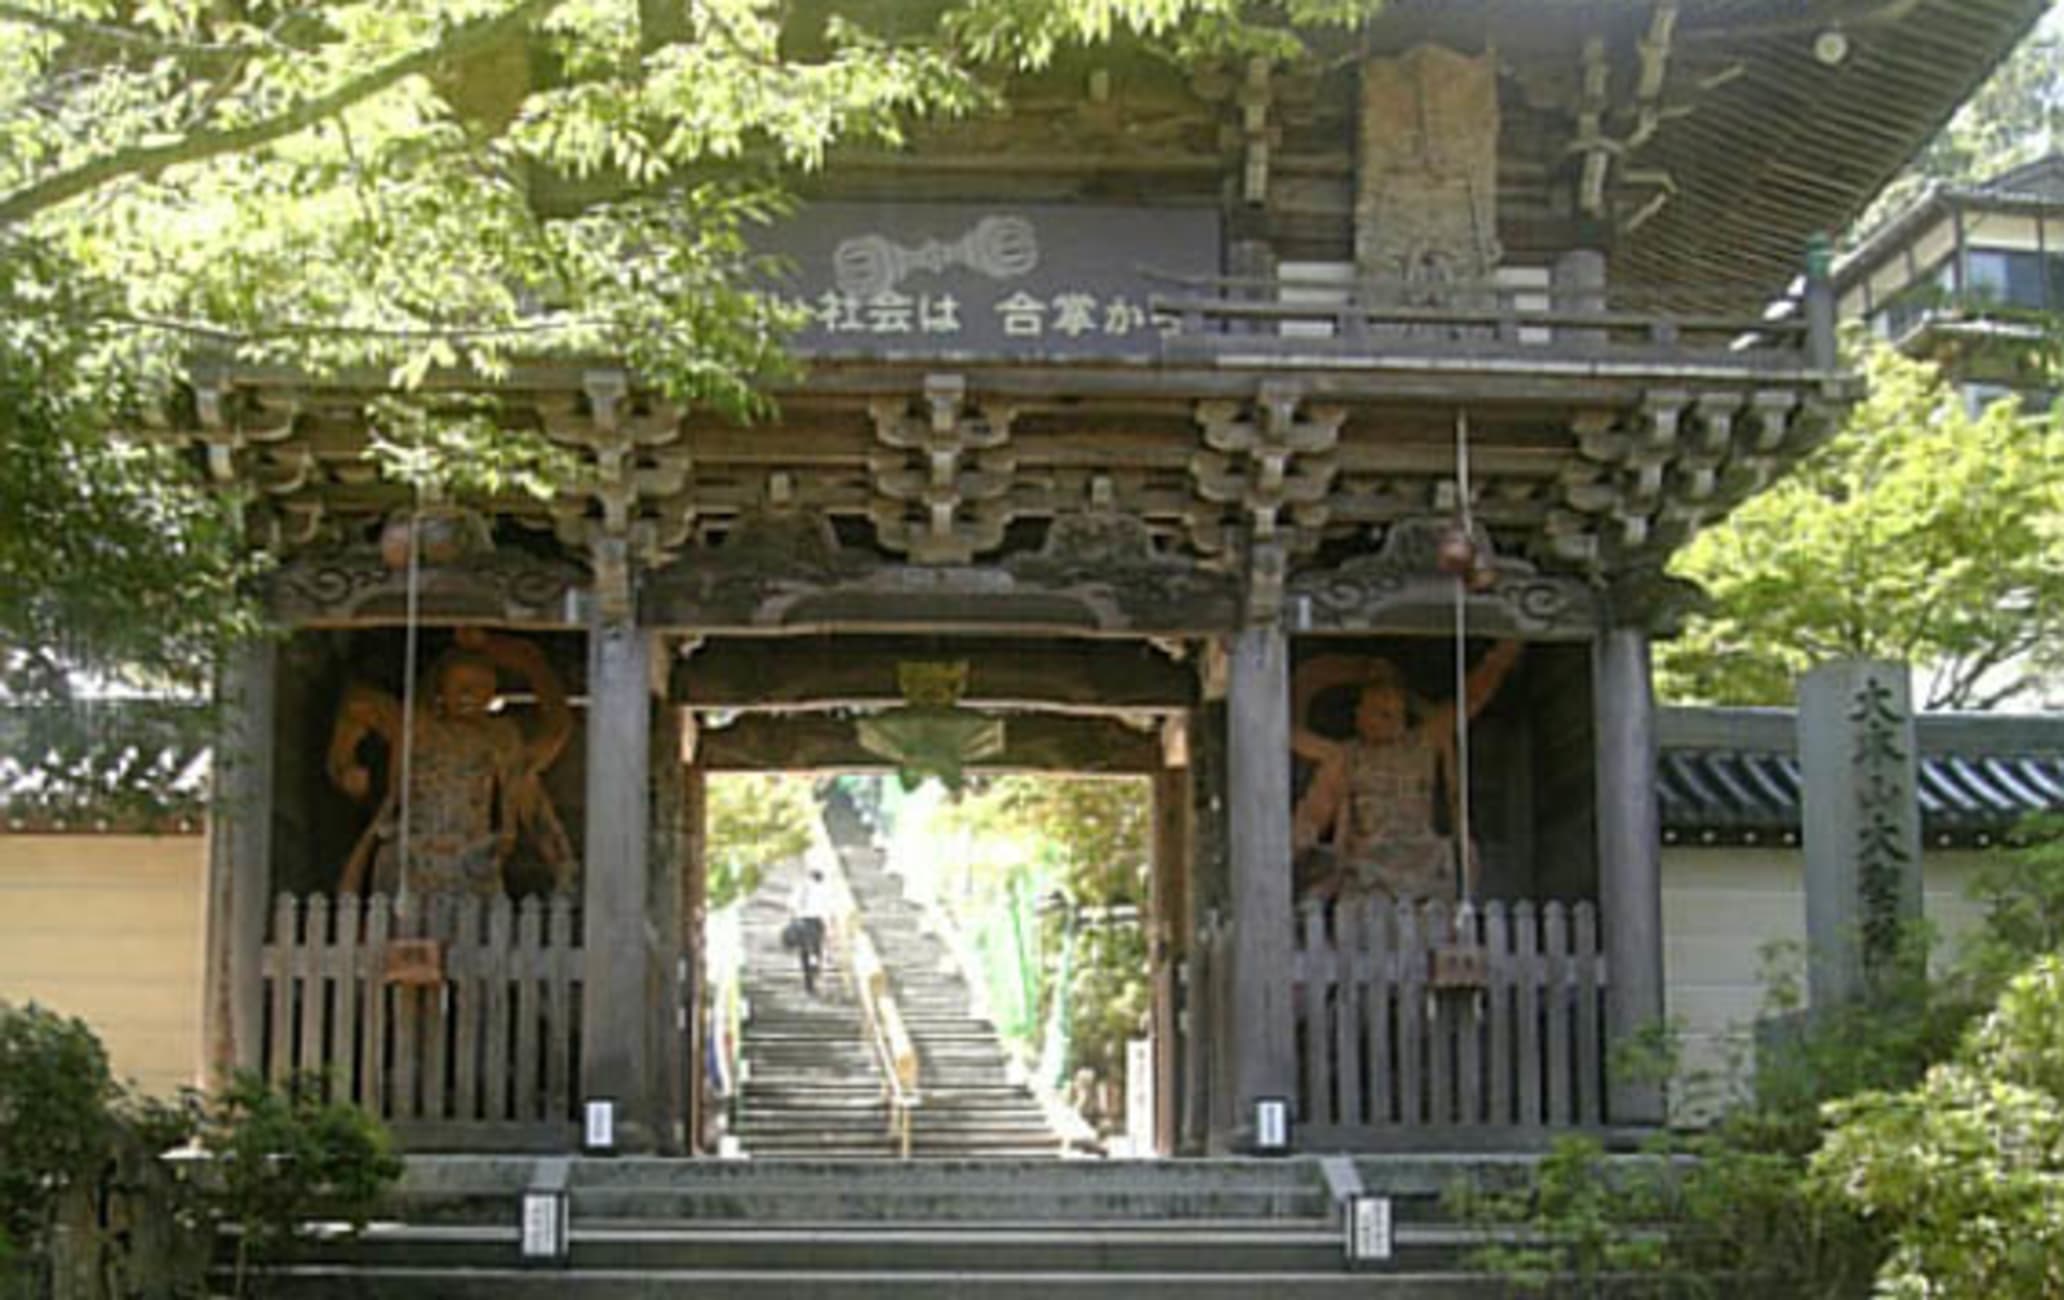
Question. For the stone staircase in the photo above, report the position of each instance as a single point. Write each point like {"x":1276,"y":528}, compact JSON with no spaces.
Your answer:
{"x":922,"y":1230}
{"x":812,"y":1086}
{"x":972,"y":1103}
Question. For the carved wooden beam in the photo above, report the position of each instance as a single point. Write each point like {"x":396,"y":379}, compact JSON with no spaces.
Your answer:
{"x":1400,"y":588}
{"x":352,"y":586}
{"x":786,"y":673}
{"x":1032,"y":743}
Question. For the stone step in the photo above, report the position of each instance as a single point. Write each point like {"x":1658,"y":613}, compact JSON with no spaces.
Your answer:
{"x":1312,"y":1247}
{"x":756,"y":1100}
{"x":976,"y":1130}
{"x":333,"y":1282}
{"x":800,"y":1050}
{"x":1292,"y":1180}
{"x":891,"y":1258}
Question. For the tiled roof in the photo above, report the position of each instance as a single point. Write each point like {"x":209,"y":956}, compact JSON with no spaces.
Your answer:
{"x":136,"y":765}
{"x":1731,"y":776}
{"x":2043,"y":178}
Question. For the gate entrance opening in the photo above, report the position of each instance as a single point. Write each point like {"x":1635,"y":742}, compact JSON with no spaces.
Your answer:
{"x":983,"y":985}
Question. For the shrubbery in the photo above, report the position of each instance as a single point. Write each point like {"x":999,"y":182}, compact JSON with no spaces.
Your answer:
{"x":1911,"y":1145}
{"x":83,"y":1188}
{"x":57,"y":1119}
{"x":285,"y":1155}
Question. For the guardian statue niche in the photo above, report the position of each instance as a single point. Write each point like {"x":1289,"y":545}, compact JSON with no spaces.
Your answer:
{"x":474,"y":777}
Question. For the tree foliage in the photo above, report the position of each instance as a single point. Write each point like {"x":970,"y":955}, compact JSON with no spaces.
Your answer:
{"x":2014,"y":118}
{"x":111,"y":550}
{"x":755,"y":820}
{"x":418,"y":188}
{"x":1920,"y":532}
{"x":1089,"y":841}
{"x":1965,"y":1171}
{"x":1096,"y":830}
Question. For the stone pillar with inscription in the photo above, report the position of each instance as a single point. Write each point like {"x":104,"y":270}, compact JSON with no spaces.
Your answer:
{"x":239,"y":860}
{"x":1861,"y":809}
{"x":1630,"y":867}
{"x":1258,"y":831}
{"x":618,"y":934}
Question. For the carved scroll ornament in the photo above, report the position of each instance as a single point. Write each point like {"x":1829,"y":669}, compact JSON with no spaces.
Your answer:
{"x":1372,"y":591}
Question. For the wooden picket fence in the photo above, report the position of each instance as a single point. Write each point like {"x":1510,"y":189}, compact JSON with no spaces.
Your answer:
{"x":455,"y":1019}
{"x":1421,"y":1025}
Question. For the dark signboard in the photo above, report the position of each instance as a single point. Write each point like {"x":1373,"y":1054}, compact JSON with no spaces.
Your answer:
{"x":983,"y":280}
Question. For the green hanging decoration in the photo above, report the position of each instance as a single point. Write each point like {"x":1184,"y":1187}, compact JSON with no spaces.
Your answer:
{"x":929,"y":737}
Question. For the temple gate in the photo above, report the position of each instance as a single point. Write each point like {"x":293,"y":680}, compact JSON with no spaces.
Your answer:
{"x":1250,"y":447}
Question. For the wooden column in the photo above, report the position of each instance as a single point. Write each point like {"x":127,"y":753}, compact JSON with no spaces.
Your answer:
{"x":665,"y":906}
{"x":694,"y":944}
{"x":1630,"y":861}
{"x":1258,"y":828}
{"x":1168,"y":937}
{"x":617,"y":934}
{"x":239,"y":861}
{"x":1823,"y":332}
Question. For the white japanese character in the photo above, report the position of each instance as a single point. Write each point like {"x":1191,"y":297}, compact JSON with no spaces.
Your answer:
{"x":1074,"y":314}
{"x":940,"y":315}
{"x":888,"y":312}
{"x":1122,"y":316}
{"x":839,"y":313}
{"x":1023,"y":315}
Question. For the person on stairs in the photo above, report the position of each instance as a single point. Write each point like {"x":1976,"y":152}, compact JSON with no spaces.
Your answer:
{"x":810,"y":908}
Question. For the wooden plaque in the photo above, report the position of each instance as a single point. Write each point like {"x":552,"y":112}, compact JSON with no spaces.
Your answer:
{"x":415,"y":961}
{"x":1459,"y":966}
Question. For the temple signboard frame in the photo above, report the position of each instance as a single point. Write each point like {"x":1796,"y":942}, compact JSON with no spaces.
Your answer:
{"x":967,"y":280}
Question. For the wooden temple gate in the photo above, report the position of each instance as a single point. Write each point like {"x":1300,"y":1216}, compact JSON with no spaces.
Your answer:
{"x":1192,"y":426}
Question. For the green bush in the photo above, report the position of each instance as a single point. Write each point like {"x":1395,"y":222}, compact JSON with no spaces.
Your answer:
{"x":57,"y":1119}
{"x":1965,"y":1171}
{"x":285,"y":1155}
{"x":1900,"y":1144}
{"x":1573,"y":1225}
{"x":68,"y":1131}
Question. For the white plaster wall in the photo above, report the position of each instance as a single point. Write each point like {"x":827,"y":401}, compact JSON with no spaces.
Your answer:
{"x":1723,"y":909}
{"x":2011,"y":230}
{"x":109,"y":928}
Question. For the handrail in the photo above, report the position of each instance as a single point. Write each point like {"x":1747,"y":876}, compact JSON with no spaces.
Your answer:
{"x":1616,"y":287}
{"x":882,"y":1020}
{"x":1379,"y":314}
{"x":888,"y":1037}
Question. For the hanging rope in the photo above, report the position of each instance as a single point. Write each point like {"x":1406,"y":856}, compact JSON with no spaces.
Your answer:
{"x":408,"y":696}
{"x":1465,"y":842}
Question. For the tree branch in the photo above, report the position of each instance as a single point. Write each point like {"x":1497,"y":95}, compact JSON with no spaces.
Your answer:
{"x":29,"y":200}
{"x":298,"y":329}
{"x":127,"y":38}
